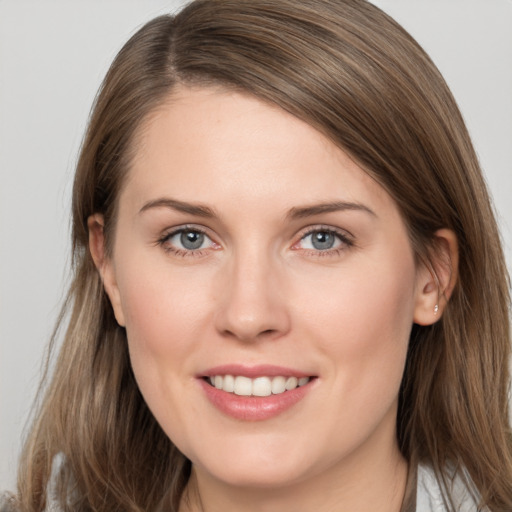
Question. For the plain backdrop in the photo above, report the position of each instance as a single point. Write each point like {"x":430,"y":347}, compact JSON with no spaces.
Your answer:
{"x":53,"y":55}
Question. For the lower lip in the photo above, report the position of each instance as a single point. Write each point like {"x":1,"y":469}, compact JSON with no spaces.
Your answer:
{"x":253,"y":408}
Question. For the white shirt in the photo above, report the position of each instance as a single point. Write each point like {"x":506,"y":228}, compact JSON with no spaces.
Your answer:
{"x":429,"y":497}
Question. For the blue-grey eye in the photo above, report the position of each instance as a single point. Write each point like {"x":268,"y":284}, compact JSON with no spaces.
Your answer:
{"x":191,"y":240}
{"x":321,"y":240}
{"x":188,"y":239}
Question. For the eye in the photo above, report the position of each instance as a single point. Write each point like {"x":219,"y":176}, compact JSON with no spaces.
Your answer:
{"x":320,"y":240}
{"x":188,"y":239}
{"x":184,"y":241}
{"x":323,"y":240}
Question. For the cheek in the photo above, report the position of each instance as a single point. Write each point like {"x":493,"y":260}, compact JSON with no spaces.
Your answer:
{"x":164,"y":312}
{"x":162,"y":305}
{"x":362,"y":323}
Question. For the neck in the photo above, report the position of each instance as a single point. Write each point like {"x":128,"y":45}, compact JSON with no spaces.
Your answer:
{"x":376,"y":481}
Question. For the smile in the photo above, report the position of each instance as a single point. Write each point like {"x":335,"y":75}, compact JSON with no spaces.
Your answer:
{"x":259,"y":386}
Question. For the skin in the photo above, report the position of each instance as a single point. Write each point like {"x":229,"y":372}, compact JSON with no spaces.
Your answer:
{"x":259,"y":292}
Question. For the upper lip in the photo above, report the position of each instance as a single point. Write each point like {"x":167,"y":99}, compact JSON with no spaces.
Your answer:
{"x":253,"y":371}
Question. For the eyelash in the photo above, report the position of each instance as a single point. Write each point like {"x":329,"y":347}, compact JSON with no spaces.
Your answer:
{"x":346,"y":241}
{"x":168,"y":248}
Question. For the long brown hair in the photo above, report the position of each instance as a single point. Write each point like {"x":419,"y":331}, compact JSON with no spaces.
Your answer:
{"x":349,"y":70}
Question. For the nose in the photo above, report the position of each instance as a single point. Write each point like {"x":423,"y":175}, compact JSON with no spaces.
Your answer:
{"x":251,"y":299}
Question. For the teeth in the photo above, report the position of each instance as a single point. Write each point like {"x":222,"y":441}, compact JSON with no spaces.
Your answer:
{"x":228,"y":383}
{"x":243,"y":386}
{"x":278,"y":385}
{"x":291,"y":383}
{"x":261,"y":386}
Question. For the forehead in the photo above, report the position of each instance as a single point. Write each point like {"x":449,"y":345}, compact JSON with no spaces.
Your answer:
{"x":215,"y":145}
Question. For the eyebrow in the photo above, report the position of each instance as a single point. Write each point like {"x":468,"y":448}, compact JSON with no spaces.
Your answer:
{"x":192,"y":209}
{"x":334,"y":206}
{"x":298,"y":212}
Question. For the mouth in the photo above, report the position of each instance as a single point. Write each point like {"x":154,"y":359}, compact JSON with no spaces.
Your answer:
{"x":260,"y":386}
{"x":255,"y":393}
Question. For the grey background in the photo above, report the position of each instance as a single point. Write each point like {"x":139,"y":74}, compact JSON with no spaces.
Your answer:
{"x":53,"y":55}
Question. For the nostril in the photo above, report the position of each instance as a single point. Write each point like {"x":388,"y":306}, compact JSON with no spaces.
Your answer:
{"x":252,"y":320}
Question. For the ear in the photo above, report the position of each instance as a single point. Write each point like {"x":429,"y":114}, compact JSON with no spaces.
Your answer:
{"x":436,"y":279}
{"x":104,"y":264}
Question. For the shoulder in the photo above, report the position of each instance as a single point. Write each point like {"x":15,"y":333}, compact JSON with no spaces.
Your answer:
{"x":429,"y":496}
{"x":7,"y":502}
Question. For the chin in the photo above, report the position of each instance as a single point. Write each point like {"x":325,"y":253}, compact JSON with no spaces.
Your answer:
{"x":260,"y":468}
{"x":249,"y":476}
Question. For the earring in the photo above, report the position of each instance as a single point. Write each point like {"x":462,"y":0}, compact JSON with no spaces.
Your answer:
{"x":436,"y":308}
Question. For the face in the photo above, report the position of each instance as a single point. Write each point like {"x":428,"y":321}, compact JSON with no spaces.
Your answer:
{"x":268,"y":289}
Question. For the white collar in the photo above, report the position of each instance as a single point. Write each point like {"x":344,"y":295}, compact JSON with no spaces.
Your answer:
{"x":429,"y":496}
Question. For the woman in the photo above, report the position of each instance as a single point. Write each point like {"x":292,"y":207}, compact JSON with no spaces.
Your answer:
{"x":289,"y":290}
